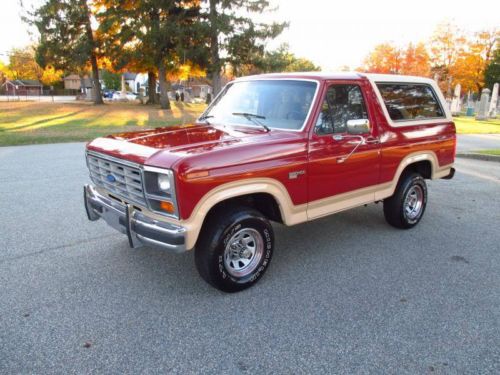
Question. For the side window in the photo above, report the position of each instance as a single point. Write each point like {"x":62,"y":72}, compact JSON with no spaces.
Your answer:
{"x":341,"y":103}
{"x":409,"y":101}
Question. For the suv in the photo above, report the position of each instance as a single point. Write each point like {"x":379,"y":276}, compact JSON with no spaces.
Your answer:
{"x":287,"y":148}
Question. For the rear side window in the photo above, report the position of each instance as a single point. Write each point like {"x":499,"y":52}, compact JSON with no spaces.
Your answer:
{"x":408,"y":101}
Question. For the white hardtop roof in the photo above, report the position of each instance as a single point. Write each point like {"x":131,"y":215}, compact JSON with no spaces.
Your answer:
{"x":339,"y":75}
{"x":396,"y":78}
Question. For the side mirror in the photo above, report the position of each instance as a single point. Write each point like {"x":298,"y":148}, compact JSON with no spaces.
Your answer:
{"x":361,"y":126}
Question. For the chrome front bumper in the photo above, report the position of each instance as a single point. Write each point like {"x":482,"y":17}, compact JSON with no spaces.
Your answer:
{"x":140,"y":229}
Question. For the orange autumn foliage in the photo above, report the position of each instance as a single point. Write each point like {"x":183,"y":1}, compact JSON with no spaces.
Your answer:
{"x":450,"y":56}
{"x":389,"y":59}
{"x":51,"y":76}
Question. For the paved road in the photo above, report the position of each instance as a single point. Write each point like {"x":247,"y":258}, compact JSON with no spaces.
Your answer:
{"x":474,"y":142}
{"x":345,"y":294}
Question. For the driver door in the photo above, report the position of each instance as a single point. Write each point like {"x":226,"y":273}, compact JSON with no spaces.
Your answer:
{"x":343,"y":167}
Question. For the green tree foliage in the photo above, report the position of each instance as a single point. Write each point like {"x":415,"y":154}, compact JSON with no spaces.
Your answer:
{"x":152,"y":34}
{"x":492,"y":72}
{"x":67,"y":40}
{"x":233,"y":34}
{"x":282,"y":60}
{"x":301,"y":64}
{"x":112,"y":81}
{"x":126,"y":49}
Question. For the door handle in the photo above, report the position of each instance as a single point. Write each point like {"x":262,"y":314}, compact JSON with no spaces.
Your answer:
{"x":372,"y":140}
{"x":366,"y":141}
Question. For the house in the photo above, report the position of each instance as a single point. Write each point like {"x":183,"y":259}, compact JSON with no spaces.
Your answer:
{"x":199,"y":87}
{"x":22,"y":87}
{"x":72,"y":82}
{"x":136,"y":81}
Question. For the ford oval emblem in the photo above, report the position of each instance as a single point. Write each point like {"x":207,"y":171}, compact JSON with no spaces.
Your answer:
{"x":111,"y":178}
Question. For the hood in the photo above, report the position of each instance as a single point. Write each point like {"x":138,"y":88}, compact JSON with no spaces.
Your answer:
{"x":174,"y":142}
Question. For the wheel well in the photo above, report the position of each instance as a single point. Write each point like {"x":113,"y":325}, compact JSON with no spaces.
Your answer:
{"x":424,"y":168}
{"x":263,"y":202}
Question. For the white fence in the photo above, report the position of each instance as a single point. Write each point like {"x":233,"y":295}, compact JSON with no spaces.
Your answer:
{"x":38,"y":98}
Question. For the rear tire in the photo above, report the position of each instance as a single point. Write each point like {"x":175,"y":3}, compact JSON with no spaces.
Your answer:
{"x":406,"y":207}
{"x":234,"y":248}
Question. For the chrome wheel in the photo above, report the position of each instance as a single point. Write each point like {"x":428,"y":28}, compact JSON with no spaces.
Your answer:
{"x":414,"y":202}
{"x":243,"y":252}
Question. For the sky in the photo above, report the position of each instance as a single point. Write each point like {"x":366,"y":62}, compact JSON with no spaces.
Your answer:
{"x":330,"y":33}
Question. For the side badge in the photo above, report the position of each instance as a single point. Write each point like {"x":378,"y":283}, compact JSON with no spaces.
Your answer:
{"x":294,"y":175}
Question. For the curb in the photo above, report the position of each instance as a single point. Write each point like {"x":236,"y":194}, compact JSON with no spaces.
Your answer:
{"x":476,"y":156}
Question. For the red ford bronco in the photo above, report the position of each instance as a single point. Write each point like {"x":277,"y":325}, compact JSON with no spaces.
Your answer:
{"x":287,"y":148}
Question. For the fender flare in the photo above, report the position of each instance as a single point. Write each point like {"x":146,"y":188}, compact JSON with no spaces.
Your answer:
{"x":415,"y":157}
{"x":291,"y":214}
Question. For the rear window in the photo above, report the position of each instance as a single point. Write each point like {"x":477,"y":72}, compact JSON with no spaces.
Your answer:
{"x":409,"y":101}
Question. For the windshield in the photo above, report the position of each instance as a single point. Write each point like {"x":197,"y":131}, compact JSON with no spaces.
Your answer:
{"x":281,"y":104}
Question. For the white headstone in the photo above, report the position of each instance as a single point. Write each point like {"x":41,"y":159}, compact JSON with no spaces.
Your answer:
{"x":476,"y":106}
{"x":492,"y":112}
{"x":123,"y":92}
{"x":482,"y":113}
{"x":470,"y":102}
{"x":455,"y":103}
{"x":124,"y":88}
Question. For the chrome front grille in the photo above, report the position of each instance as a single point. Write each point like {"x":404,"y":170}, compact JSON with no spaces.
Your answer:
{"x":120,"y":178}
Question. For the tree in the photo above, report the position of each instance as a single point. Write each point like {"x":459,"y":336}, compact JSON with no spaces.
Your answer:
{"x":186,"y":71}
{"x":385,"y":58}
{"x":67,"y":40}
{"x":112,"y":81}
{"x":469,"y":67}
{"x":492,"y":72}
{"x":416,"y":61}
{"x":234,"y":36}
{"x":282,"y":60}
{"x":446,"y":45}
{"x":51,"y":76}
{"x":5,"y":73}
{"x":22,"y":64}
{"x":389,"y":59}
{"x":301,"y":64}
{"x":159,"y":34}
{"x":121,"y":43}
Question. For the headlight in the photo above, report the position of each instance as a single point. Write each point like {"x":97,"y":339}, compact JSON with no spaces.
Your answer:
{"x":160,"y":190}
{"x":164,"y":182}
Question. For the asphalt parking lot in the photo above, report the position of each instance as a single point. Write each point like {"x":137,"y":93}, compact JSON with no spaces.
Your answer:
{"x":344,"y":294}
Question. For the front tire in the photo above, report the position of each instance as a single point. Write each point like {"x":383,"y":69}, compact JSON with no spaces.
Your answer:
{"x":234,"y":248}
{"x":406,"y":207}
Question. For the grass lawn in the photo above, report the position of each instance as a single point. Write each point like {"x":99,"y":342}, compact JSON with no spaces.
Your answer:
{"x":495,"y":152}
{"x":468,"y":125}
{"x":34,"y":122}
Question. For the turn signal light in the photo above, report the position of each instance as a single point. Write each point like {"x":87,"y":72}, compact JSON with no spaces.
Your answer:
{"x":167,"y":207}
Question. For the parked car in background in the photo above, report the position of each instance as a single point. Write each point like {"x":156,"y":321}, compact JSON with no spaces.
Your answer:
{"x":286,"y":148}
{"x":117,"y":95}
{"x":108,"y":94}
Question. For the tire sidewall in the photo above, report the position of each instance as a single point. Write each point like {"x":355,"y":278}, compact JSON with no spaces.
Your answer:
{"x":412,"y":181}
{"x":265,"y":230}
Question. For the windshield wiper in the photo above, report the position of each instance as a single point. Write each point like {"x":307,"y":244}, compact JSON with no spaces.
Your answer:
{"x":253,"y":118}
{"x":205,"y":118}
